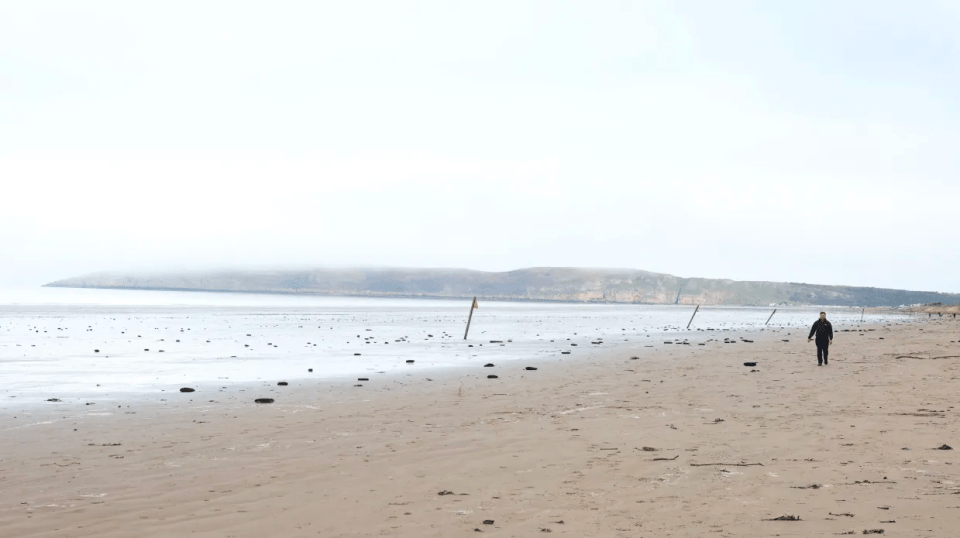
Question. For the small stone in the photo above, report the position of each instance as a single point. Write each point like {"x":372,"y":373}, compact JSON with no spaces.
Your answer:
{"x":363,"y":379}
{"x":309,"y":369}
{"x":491,"y":377}
{"x":263,"y":400}
{"x":186,"y":389}
{"x":282,"y":383}
{"x":530,"y":368}
{"x":53,"y":399}
{"x":409,"y":361}
{"x":945,"y":447}
{"x":96,"y":351}
{"x":488,"y":365}
{"x":488,"y":522}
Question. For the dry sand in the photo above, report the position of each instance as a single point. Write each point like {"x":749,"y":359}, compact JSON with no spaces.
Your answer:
{"x":848,"y":447}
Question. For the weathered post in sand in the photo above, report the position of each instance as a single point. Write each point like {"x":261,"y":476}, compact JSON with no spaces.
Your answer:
{"x":771,"y":315}
{"x":861,"y":314}
{"x":470,"y":317}
{"x":693,"y":316}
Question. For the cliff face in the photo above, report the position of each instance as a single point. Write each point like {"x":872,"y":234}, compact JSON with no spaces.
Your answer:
{"x":546,"y":283}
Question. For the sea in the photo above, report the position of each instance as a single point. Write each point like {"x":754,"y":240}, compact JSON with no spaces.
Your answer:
{"x":57,"y":342}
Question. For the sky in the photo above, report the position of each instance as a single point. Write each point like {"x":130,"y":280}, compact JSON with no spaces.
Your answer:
{"x":802,"y":141}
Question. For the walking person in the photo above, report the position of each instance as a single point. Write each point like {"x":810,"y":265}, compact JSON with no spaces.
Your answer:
{"x":824,"y":332}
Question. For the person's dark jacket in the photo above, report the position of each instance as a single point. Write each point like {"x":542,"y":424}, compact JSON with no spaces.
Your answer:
{"x":823,"y":330}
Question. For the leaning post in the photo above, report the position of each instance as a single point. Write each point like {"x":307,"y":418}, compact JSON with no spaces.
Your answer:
{"x":470,"y":317}
{"x":694,"y":315}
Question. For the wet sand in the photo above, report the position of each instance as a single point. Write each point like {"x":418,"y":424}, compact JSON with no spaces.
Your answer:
{"x":687,"y":443}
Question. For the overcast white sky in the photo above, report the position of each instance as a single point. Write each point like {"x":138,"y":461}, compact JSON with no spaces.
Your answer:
{"x":792,"y":141}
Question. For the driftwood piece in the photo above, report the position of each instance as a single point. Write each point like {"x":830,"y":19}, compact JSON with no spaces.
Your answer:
{"x":725,"y":464}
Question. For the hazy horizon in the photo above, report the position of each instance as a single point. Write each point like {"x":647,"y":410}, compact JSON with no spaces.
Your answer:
{"x":809,"y":142}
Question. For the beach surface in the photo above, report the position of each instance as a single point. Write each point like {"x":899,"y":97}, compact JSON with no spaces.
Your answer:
{"x":684,"y":442}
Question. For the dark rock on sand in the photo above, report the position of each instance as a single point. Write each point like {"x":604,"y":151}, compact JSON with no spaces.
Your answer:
{"x":491,"y":377}
{"x":945,"y":447}
{"x":263,"y":400}
{"x":186,"y":389}
{"x":409,"y":361}
{"x":530,"y":368}
{"x":53,"y":399}
{"x":363,"y":379}
{"x":488,"y":365}
{"x":488,"y":522}
{"x":749,"y":364}
{"x":282,"y":383}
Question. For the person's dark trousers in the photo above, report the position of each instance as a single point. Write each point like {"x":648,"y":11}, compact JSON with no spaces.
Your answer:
{"x":822,"y":350}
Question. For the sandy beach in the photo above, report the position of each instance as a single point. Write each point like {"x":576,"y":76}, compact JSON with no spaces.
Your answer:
{"x":688,"y":442}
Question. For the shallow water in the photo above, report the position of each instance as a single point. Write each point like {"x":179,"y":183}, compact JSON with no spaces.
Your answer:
{"x":58,"y":342}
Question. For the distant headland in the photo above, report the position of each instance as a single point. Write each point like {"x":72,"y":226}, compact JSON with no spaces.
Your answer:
{"x":565,"y":284}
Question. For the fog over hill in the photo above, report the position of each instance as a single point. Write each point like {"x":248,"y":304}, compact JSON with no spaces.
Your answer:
{"x":538,"y":283}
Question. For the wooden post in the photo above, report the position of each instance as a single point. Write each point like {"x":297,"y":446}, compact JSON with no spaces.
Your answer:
{"x":470,"y":317}
{"x":861,"y":314}
{"x":694,"y":314}
{"x":771,"y":316}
